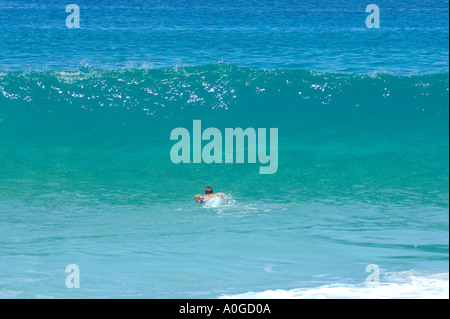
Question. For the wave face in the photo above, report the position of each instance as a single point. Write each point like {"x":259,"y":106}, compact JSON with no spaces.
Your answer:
{"x":86,"y":178}
{"x":356,"y":132}
{"x":99,"y":99}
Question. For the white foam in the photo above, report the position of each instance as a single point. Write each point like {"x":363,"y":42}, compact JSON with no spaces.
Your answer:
{"x":401,"y":285}
{"x":219,"y":201}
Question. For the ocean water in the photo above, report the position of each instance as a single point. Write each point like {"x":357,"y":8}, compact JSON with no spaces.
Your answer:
{"x":86,"y":176}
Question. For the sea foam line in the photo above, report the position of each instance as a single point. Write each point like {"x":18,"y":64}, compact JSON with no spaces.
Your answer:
{"x":403,"y":285}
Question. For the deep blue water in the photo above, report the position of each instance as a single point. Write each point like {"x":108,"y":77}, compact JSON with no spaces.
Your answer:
{"x":321,"y":35}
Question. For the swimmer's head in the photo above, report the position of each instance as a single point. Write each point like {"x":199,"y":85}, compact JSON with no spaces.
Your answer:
{"x":208,"y":190}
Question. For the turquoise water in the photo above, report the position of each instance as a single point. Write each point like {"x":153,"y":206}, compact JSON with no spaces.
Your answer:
{"x":86,"y":176}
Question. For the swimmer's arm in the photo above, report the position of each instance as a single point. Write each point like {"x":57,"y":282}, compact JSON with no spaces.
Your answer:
{"x":197,"y":198}
{"x":219,"y":194}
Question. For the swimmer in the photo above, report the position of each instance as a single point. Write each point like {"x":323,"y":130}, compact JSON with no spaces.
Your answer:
{"x":208,"y":195}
